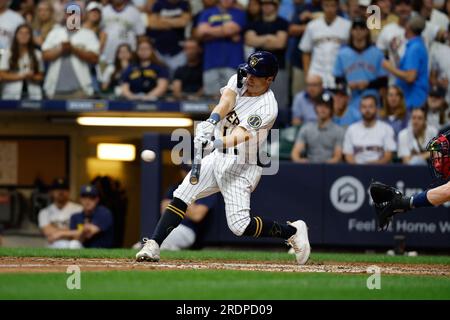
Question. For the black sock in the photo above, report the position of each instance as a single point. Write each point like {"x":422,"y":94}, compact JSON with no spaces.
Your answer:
{"x":171,"y":218}
{"x":260,"y":227}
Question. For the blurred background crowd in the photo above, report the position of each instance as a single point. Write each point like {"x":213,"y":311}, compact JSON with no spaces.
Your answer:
{"x":361,"y":85}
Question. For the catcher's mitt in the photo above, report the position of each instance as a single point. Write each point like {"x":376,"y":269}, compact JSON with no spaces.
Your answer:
{"x":387,"y":201}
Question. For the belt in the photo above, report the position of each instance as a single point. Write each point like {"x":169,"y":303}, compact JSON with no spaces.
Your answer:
{"x":226,"y":151}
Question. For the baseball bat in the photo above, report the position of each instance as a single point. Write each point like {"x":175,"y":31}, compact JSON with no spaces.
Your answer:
{"x":196,"y":166}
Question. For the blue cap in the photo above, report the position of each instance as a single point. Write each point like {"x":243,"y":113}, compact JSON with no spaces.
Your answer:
{"x":261,"y":64}
{"x":88,"y":191}
{"x":59,"y":184}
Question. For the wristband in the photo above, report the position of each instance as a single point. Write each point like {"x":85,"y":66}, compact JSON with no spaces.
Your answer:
{"x":420,"y":200}
{"x":214,"y":118}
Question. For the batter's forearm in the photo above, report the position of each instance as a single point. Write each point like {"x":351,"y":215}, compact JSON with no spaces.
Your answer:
{"x":226,"y":103}
{"x":236,"y":137}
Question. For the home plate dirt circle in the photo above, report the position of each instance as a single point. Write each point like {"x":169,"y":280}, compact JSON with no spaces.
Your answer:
{"x":34,"y":264}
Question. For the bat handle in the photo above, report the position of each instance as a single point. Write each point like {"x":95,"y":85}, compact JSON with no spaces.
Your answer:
{"x":195,"y":173}
{"x":194,"y":178}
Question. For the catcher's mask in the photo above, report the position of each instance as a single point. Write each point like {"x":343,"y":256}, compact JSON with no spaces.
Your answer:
{"x":259,"y":64}
{"x":439,"y":148}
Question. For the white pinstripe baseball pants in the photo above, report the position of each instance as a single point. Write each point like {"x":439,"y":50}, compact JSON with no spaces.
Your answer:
{"x":236,"y":181}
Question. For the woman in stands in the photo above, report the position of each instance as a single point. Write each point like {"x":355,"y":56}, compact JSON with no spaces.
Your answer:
{"x":148,"y":78}
{"x":113,"y":72}
{"x":43,"y":22}
{"x":21,"y":67}
{"x":394,"y":109}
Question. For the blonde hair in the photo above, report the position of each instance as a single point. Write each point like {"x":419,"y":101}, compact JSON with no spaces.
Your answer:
{"x":44,"y":27}
{"x":400,"y":112}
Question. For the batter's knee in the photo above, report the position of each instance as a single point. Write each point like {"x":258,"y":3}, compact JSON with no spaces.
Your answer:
{"x":237,"y":223}
{"x":181,"y":194}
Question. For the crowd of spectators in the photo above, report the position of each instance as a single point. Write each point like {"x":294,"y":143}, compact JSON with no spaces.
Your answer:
{"x":375,"y":79}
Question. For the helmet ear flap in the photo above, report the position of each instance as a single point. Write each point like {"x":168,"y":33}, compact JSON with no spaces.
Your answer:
{"x":241,"y":74}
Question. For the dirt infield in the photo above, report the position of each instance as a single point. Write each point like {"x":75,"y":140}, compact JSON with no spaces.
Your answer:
{"x":31,"y":265}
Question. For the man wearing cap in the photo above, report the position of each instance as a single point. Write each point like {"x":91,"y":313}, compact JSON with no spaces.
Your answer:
{"x":320,"y":141}
{"x":271,"y":34}
{"x":93,"y":19}
{"x":93,"y":226}
{"x":358,"y":65}
{"x":54,"y":219}
{"x":412,"y":70}
{"x":342,"y":114}
{"x":392,"y":38}
{"x":438,"y":114}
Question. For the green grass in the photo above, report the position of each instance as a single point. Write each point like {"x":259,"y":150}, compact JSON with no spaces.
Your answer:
{"x":209,"y":284}
{"x":220,"y":284}
{"x":222,"y":255}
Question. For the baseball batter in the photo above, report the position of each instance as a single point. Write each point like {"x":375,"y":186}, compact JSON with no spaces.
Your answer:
{"x":389,"y":201}
{"x":237,"y":127}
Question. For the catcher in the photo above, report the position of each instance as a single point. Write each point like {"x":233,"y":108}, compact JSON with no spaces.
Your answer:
{"x":389,"y":201}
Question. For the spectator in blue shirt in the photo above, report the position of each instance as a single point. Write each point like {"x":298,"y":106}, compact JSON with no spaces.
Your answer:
{"x":358,"y":65}
{"x":166,"y":23}
{"x":206,"y":4}
{"x":220,"y":28}
{"x":148,"y":79}
{"x":412,"y":72}
{"x":303,"y":106}
{"x":342,"y":114}
{"x":93,"y":227}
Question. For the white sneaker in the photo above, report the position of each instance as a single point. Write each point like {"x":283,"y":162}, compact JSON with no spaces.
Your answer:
{"x":299,"y":241}
{"x":150,"y":251}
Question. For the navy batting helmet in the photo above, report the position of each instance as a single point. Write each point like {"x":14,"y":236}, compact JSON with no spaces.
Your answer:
{"x":259,"y":64}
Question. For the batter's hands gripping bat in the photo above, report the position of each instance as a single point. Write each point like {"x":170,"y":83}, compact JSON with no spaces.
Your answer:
{"x":195,"y":172}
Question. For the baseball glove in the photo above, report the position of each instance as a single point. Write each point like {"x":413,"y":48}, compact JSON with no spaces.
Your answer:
{"x":387,"y":202}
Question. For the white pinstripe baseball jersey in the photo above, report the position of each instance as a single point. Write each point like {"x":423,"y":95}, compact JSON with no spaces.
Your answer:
{"x":227,"y":172}
{"x":256,"y":114}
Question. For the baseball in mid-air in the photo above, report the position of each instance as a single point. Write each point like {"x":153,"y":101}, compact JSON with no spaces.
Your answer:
{"x":148,"y":155}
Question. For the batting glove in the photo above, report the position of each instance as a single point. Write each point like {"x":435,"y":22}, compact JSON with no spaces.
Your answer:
{"x":205,"y":129}
{"x":207,"y":144}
